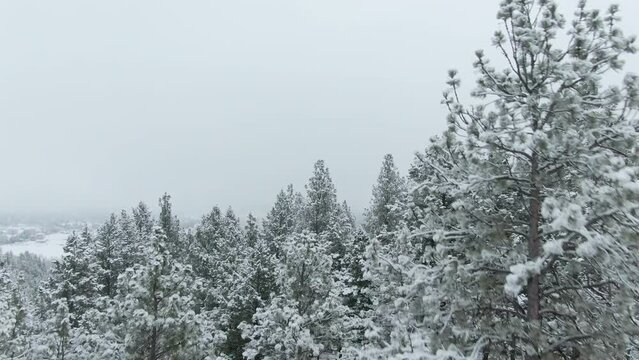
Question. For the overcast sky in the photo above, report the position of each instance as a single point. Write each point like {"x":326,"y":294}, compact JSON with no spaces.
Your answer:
{"x":105,"y":103}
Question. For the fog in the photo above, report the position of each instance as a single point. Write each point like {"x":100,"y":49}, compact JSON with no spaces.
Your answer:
{"x":104,"y":104}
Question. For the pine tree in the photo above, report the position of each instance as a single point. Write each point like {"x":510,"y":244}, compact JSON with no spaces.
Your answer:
{"x":75,"y":277}
{"x":340,"y":235}
{"x":349,"y":218}
{"x":251,"y":281}
{"x":155,"y":312}
{"x":305,"y":319}
{"x":72,"y":291}
{"x":54,"y":340}
{"x":528,"y":200}
{"x":285,"y":218}
{"x":130,"y":241}
{"x":143,"y":221}
{"x":386,"y":211}
{"x":326,"y":217}
{"x":322,"y":199}
{"x":171,"y":226}
{"x":107,"y":256}
{"x":251,"y":230}
{"x":15,"y":314}
{"x":262,"y":265}
{"x":299,"y":212}
{"x":232,"y":229}
{"x":396,"y":322}
{"x":261,"y":261}
{"x":31,"y":269}
{"x":358,"y":298}
{"x":219,"y":257}
{"x":280,"y":221}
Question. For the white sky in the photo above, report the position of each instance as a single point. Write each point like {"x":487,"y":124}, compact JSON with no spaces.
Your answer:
{"x":105,"y":103}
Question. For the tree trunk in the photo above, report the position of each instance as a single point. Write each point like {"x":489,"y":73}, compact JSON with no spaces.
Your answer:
{"x":486,"y":352}
{"x":154,"y":340}
{"x":153,"y":351}
{"x":534,"y":251}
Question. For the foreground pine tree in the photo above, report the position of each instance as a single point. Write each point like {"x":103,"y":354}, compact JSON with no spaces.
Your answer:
{"x":529,"y":200}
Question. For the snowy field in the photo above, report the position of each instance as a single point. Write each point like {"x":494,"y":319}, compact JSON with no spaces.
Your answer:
{"x":49,"y":247}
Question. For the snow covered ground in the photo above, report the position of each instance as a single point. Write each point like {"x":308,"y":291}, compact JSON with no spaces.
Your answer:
{"x":49,"y":247}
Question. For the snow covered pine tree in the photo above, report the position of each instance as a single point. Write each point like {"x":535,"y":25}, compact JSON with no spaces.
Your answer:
{"x":530,"y":198}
